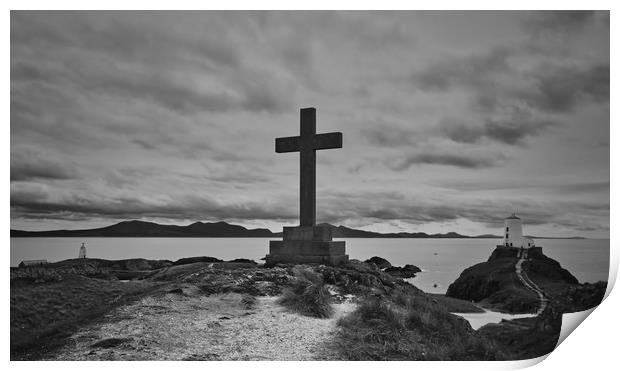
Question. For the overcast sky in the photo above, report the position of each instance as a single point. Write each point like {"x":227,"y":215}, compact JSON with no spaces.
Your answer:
{"x":451,"y":120}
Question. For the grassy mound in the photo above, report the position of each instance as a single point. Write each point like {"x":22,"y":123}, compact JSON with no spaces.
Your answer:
{"x":307,"y":295}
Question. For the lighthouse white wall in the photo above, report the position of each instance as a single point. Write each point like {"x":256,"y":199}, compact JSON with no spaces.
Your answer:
{"x":513,"y":232}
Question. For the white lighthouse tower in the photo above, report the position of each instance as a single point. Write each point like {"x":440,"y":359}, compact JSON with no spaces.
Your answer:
{"x":82,"y":254}
{"x":513,"y":234}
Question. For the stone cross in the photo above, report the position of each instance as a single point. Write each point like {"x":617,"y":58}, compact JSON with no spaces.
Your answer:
{"x":307,"y":243}
{"x":307,"y":143}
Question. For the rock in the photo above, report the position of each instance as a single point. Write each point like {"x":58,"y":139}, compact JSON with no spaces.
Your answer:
{"x":110,"y":342}
{"x":197,"y":259}
{"x":202,"y":357}
{"x":243,"y":260}
{"x":379,"y":262}
{"x":408,"y":271}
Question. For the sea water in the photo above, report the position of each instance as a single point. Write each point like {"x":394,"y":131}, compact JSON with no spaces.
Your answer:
{"x":441,"y":260}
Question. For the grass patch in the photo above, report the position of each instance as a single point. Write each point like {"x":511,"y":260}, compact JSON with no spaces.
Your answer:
{"x":43,"y":314}
{"x":248,"y":301}
{"x":410,"y":326}
{"x":307,"y":295}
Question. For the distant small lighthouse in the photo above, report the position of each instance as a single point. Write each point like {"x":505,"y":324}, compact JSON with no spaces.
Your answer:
{"x":82,"y":254}
{"x":513,"y":234}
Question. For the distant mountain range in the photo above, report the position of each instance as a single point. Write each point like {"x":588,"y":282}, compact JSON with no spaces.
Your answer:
{"x":135,"y":228}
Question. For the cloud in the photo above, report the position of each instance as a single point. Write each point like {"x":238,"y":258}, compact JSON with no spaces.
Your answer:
{"x":523,"y":184}
{"x":555,"y":87}
{"x":456,"y":160}
{"x":513,"y":132}
{"x":132,"y":35}
{"x":29,"y":165}
{"x":562,"y":88}
{"x":507,"y":131}
{"x":390,"y":135}
{"x":338,"y":208}
{"x":472,"y":71}
{"x":584,"y":187}
{"x":559,"y":21}
{"x":42,"y":203}
{"x":115,"y":55}
{"x":173,"y":114}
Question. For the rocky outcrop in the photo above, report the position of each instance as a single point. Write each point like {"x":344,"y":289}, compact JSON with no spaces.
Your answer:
{"x":137,"y":264}
{"x":408,"y":271}
{"x":379,"y":262}
{"x":495,"y":283}
{"x":543,"y":269}
{"x":197,"y":259}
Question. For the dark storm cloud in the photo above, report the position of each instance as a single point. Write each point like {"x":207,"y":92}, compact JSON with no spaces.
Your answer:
{"x":118,"y":34}
{"x":510,"y":131}
{"x":475,"y":70}
{"x":555,"y":88}
{"x":456,"y":160}
{"x":498,"y":184}
{"x":513,"y":132}
{"x":337,"y":208}
{"x":30,"y":165}
{"x":39,"y":205}
{"x":139,"y":61}
{"x":561,"y":89}
{"x":178,"y":93}
{"x":567,"y":21}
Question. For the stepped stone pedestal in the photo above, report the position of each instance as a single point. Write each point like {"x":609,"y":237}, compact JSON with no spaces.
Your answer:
{"x":307,"y":244}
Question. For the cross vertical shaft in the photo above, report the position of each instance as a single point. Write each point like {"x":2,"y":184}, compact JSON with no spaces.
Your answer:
{"x":307,"y":168}
{"x":307,"y":143}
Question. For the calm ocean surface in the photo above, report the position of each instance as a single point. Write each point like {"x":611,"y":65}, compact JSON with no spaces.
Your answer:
{"x":442,"y":260}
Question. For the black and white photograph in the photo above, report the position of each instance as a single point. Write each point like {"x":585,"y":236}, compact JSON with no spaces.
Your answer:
{"x":306,"y":185}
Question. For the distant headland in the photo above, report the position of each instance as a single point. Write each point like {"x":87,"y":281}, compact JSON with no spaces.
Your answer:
{"x":137,"y":228}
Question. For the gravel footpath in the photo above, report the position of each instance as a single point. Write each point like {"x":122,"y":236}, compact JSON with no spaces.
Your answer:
{"x":190,"y":326}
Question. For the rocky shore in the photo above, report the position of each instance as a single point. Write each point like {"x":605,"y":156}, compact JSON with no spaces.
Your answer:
{"x":504,"y":283}
{"x":496,"y":285}
{"x":203,"y":308}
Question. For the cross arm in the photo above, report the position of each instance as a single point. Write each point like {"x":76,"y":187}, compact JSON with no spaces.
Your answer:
{"x":287,"y":144}
{"x":328,"y":140}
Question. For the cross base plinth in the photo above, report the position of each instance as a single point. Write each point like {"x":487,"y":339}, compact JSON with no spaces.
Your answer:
{"x":303,"y":245}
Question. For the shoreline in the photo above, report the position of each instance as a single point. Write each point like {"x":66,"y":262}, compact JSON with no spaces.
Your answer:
{"x":72,"y":289}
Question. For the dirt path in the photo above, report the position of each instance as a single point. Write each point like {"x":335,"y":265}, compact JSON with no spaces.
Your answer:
{"x":530,"y":285}
{"x":191,"y":326}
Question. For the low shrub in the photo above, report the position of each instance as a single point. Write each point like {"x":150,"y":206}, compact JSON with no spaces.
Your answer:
{"x":307,"y":295}
{"x":35,"y":275}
